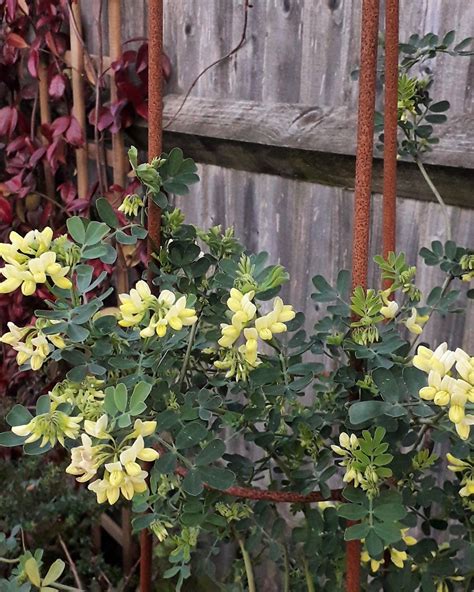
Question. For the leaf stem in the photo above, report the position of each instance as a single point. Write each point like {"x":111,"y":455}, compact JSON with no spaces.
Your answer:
{"x":187,"y":355}
{"x":247,"y":564}
{"x":437,"y":194}
{"x":308,"y":576}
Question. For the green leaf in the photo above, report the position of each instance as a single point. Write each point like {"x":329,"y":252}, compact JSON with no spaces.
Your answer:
{"x":390,"y":533}
{"x":356,"y":532}
{"x":387,"y":385}
{"x":352,"y":511}
{"x":77,"y":333}
{"x":76,"y":229}
{"x":374,"y":544}
{"x":8,"y":439}
{"x":166,"y":463}
{"x":141,"y":522}
{"x":109,"y":401}
{"x":160,"y":199}
{"x":140,"y":393}
{"x":120,"y":397}
{"x":95,"y":232}
{"x":125,"y":239}
{"x":124,"y":420}
{"x":390,"y":512}
{"x":363,"y":411}
{"x":464,"y":43}
{"x":43,"y":405}
{"x":213,"y":451}
{"x":106,"y":212}
{"x":190,"y":435}
{"x":54,"y":572}
{"x":192,"y":483}
{"x":18,"y":415}
{"x":440,"y":107}
{"x":84,"y":277}
{"x":32,"y":569}
{"x":448,"y":38}
{"x":217,"y":477}
{"x":133,"y":157}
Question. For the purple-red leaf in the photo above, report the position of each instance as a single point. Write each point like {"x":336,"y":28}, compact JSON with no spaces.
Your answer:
{"x":57,"y":86}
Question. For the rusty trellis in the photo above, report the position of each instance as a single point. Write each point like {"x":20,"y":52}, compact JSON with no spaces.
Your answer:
{"x":362,"y":203}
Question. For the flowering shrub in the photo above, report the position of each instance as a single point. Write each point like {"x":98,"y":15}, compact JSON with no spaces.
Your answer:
{"x":203,"y":353}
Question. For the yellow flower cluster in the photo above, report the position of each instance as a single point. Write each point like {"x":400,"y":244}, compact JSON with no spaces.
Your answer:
{"x":161,"y":313}
{"x":87,"y":396}
{"x":466,"y":467}
{"x":397,"y":557}
{"x":31,"y":344}
{"x":131,"y":205}
{"x":122,"y":473}
{"x":445,"y":390}
{"x":29,"y":261}
{"x":50,"y":427}
{"x":347,"y":444}
{"x":244,"y":312}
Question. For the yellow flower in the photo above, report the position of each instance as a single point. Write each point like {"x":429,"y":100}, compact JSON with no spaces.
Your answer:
{"x":34,"y":242}
{"x":83,"y":460}
{"x":51,"y":427}
{"x":230,"y":333}
{"x":33,"y":272}
{"x":390,"y":308}
{"x":414,"y":323}
{"x":143,"y":428}
{"x":249,"y":348}
{"x":98,"y":428}
{"x":439,"y":389}
{"x":241,"y":305}
{"x":116,"y":482}
{"x":274,"y":322}
{"x":465,"y":366}
{"x":128,"y":457}
{"x":466,"y":467}
{"x":457,"y":404}
{"x":441,"y":359}
{"x":131,"y":205}
{"x":134,"y":305}
{"x":179,"y":316}
{"x":463,"y":427}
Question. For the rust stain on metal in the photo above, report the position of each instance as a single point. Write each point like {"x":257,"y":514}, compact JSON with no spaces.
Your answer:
{"x":362,"y":197}
{"x":353,"y":549}
{"x":155,"y":109}
{"x":155,"y":133}
{"x":389,"y":219}
{"x":365,"y":141}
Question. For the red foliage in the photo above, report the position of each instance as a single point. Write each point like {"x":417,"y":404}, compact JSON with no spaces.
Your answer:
{"x":34,"y":31}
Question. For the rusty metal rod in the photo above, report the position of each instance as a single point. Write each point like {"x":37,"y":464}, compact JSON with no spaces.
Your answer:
{"x":389,"y":219}
{"x":365,"y":141}
{"x":362,"y":197}
{"x":155,"y":109}
{"x":155,"y":132}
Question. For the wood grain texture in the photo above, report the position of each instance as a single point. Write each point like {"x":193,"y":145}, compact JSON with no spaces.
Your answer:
{"x":296,"y":64}
{"x":307,"y":228}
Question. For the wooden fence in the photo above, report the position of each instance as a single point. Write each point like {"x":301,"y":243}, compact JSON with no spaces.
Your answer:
{"x":273,"y":129}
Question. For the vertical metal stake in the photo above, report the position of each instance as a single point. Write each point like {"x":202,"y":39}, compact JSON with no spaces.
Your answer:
{"x":362,"y":197}
{"x":155,"y":131}
{"x":389,"y":220}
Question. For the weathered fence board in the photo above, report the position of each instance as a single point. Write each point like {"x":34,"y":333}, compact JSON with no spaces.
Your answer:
{"x":299,"y":55}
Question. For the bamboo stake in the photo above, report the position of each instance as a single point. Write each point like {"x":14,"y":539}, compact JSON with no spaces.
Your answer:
{"x":115,"y":51}
{"x":79,"y":107}
{"x":45,"y":119}
{"x":118,"y":146}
